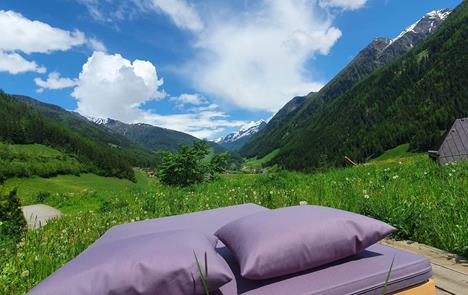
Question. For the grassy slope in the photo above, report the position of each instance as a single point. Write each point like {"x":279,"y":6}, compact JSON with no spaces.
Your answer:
{"x":25,"y":160}
{"x":255,"y":163}
{"x":425,"y":201}
{"x":401,"y":151}
{"x":75,"y":194}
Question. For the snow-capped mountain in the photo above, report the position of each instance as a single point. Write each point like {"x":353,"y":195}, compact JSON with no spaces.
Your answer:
{"x":411,"y":36}
{"x":236,"y":140}
{"x":98,"y":121}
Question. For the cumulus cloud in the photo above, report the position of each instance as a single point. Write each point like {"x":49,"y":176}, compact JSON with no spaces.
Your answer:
{"x":111,"y":86}
{"x":20,"y":34}
{"x":29,"y":36}
{"x":181,"y":12}
{"x":54,"y":82}
{"x":343,"y":4}
{"x":256,"y":59}
{"x":14,"y":63}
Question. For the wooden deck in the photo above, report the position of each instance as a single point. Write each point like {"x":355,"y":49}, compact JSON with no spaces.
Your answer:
{"x":450,"y":271}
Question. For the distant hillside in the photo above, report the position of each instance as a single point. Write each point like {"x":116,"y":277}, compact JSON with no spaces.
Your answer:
{"x":158,"y":139}
{"x":236,"y":140}
{"x":411,"y":100}
{"x":135,"y":154}
{"x":20,"y":123}
{"x":273,"y":135}
{"x":152,"y":137}
{"x":378,"y":53}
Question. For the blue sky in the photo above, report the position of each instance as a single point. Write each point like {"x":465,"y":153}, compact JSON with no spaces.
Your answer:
{"x":202,"y":67}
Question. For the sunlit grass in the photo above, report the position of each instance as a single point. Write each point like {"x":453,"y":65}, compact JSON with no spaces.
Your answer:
{"x":427,"y":202}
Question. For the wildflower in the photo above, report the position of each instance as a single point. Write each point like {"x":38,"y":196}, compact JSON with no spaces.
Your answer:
{"x":25,"y":273}
{"x":395,"y":176}
{"x":400,"y":162}
{"x":366,"y":196}
{"x":453,"y":170}
{"x":450,"y":174}
{"x":303,"y":203}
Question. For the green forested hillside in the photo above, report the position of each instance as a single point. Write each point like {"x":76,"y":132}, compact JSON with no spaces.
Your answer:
{"x":288,"y":119}
{"x":412,"y":100}
{"x":21,"y":124}
{"x":152,"y":137}
{"x":135,"y":153}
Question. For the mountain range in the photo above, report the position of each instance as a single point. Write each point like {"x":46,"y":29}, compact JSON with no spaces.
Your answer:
{"x":350,"y":116}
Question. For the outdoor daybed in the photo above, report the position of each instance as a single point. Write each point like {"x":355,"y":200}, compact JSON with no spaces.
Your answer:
{"x":364,"y":273}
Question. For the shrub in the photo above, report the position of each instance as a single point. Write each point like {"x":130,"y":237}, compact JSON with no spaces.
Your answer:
{"x":189,"y":165}
{"x":12,"y":221}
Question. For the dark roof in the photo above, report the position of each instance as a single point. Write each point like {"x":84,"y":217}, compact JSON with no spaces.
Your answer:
{"x":455,"y":145}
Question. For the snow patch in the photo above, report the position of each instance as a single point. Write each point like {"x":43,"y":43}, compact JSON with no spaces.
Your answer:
{"x":98,"y":121}
{"x":246,"y":130}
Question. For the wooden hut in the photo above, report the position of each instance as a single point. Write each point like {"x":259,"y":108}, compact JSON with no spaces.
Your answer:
{"x":455,"y":144}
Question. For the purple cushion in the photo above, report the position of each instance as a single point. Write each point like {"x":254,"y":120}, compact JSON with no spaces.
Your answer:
{"x":161,"y":263}
{"x":283,"y":241}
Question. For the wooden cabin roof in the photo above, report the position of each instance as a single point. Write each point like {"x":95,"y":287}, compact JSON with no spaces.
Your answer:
{"x":455,"y":145}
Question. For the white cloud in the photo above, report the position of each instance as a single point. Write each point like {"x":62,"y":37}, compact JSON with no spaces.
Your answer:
{"x":54,"y":81}
{"x":110,"y":12}
{"x":111,"y":86}
{"x":96,"y":45}
{"x":257,"y":59}
{"x":14,"y":63}
{"x":344,"y":4}
{"x":185,"y":99}
{"x":181,"y":12}
{"x":202,"y":123}
{"x":22,"y":34}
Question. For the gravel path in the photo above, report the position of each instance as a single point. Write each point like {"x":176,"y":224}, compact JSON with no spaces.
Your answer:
{"x":37,"y":215}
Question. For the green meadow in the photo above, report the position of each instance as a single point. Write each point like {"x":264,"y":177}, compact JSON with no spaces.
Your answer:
{"x":427,"y":202}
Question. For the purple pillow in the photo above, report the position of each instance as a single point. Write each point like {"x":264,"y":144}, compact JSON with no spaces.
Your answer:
{"x":283,"y":241}
{"x":160,"y":263}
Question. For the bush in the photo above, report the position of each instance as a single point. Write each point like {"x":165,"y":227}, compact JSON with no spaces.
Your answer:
{"x":12,"y":221}
{"x":189,"y":165}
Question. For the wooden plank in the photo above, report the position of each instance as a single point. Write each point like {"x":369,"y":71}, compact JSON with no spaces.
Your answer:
{"x":464,"y":133}
{"x":427,"y":288}
{"x":450,"y":271}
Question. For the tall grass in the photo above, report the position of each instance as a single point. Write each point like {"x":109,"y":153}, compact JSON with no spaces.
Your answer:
{"x":427,"y":202}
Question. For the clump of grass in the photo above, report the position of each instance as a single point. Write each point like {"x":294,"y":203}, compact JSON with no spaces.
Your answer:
{"x":203,"y":275}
